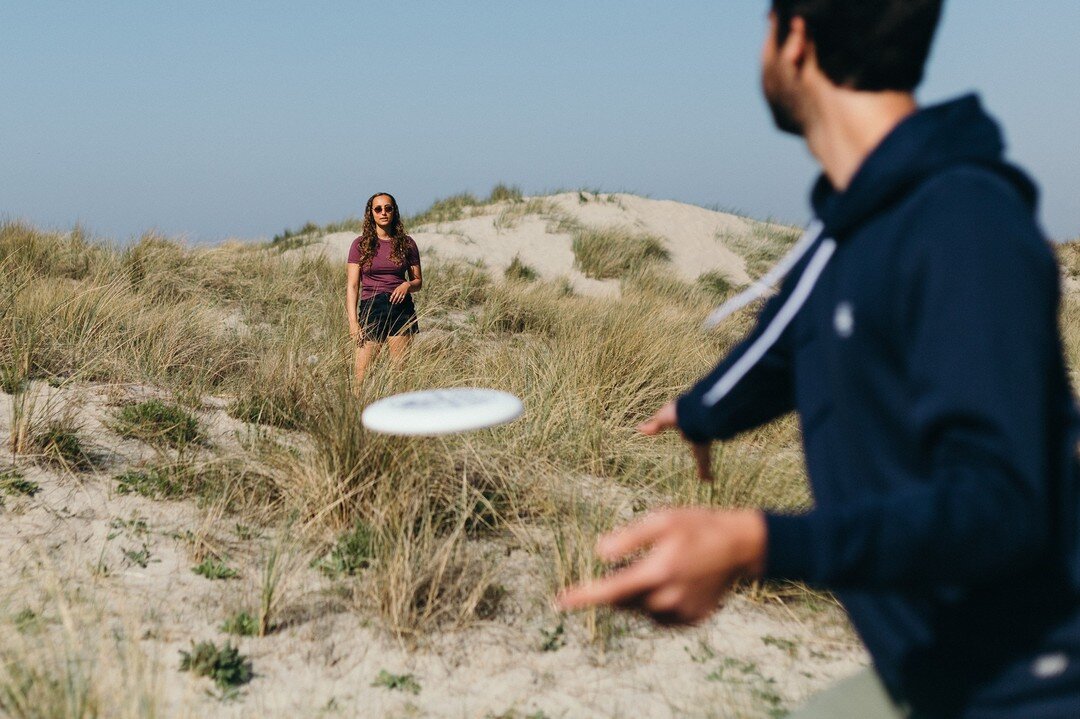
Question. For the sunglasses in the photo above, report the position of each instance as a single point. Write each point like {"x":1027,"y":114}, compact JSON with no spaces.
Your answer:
{"x":379,"y":210}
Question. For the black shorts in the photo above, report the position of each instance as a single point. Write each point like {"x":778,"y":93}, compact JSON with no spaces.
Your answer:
{"x":379,"y":318}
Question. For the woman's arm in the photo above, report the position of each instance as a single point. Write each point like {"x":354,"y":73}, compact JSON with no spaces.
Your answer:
{"x":408,"y":286}
{"x":352,"y":296}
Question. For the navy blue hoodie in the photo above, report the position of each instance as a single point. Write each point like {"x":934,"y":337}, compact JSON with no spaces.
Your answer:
{"x":918,"y":341}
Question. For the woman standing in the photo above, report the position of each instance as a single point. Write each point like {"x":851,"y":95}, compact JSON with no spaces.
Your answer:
{"x":384,"y":271}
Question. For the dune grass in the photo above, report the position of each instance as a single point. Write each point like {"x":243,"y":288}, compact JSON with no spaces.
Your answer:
{"x":615,"y":253}
{"x":266,"y":333}
{"x":762,"y":246}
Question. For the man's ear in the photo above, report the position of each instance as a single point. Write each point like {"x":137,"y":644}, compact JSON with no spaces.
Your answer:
{"x":797,"y":45}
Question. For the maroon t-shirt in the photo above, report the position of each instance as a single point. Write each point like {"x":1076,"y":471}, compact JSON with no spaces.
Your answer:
{"x":383,"y":274}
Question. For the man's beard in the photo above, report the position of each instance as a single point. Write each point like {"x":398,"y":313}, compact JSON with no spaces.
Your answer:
{"x":783,"y":116}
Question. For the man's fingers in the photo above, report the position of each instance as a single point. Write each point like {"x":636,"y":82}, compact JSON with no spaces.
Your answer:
{"x":618,"y":544}
{"x":653,"y":425}
{"x":703,"y":458}
{"x":617,"y":588}
{"x":663,"y":419}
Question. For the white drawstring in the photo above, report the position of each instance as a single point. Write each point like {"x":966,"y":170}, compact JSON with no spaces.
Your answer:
{"x":765,"y":283}
{"x":779,"y":323}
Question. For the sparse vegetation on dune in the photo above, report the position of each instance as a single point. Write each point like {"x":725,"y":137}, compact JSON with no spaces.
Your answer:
{"x":615,"y":253}
{"x":413,"y":533}
{"x":763,"y":246}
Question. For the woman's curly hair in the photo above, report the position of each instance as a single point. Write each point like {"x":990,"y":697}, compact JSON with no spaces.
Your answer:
{"x":369,"y":241}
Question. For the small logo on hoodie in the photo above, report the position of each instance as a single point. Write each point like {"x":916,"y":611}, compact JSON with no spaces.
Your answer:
{"x":1049,"y":666}
{"x":844,"y":320}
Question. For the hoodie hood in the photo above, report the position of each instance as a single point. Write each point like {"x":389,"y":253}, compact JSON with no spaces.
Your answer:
{"x":922,"y":144}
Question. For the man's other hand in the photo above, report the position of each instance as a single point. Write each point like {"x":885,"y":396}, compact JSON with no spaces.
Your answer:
{"x":692,"y":557}
{"x":665,"y":419}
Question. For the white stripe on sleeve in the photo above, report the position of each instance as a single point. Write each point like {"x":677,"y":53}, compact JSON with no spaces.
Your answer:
{"x":779,"y":323}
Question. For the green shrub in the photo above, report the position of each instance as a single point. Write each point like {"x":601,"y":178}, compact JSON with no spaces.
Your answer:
{"x":154,"y":482}
{"x":158,"y":423}
{"x":60,"y":445}
{"x":397,"y":682}
{"x":212,"y":568}
{"x":225,"y":666}
{"x":241,"y":624}
{"x":351,"y":553}
{"x":12,"y":482}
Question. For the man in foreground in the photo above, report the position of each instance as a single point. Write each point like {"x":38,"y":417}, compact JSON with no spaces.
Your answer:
{"x":917,"y":338}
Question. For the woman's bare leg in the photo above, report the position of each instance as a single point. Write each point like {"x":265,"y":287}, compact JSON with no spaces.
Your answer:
{"x":399,"y":345}
{"x":365,"y":353}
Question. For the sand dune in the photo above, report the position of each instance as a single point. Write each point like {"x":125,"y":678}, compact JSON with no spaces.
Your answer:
{"x":495,"y":234}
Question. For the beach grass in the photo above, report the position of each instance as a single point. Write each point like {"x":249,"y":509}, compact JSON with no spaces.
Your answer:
{"x":413,"y":534}
{"x":264,"y":332}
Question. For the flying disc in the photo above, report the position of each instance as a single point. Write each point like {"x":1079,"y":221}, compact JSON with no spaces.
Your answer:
{"x":441,"y":411}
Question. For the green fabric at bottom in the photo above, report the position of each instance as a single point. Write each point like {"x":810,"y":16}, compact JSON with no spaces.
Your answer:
{"x":862,"y":696}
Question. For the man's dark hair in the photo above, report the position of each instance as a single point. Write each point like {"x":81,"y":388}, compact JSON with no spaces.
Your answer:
{"x":867,"y":45}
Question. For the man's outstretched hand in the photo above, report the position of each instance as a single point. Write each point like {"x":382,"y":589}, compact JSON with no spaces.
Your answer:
{"x":693,"y":557}
{"x":665,"y":419}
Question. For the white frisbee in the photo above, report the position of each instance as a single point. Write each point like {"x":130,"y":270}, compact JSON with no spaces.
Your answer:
{"x":441,"y":411}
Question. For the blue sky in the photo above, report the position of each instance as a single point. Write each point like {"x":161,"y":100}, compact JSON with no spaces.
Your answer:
{"x":209,"y":120}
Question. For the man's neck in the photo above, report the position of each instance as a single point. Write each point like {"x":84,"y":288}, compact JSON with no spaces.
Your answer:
{"x":848,"y":125}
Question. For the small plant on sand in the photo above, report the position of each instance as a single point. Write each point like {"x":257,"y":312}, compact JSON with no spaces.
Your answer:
{"x":158,"y":423}
{"x":139,"y":557}
{"x":136,"y":527}
{"x":246,"y":533}
{"x":225,"y":666}
{"x":212,"y":568}
{"x":351,"y":553}
{"x":518,"y":270}
{"x":397,"y":682}
{"x":153,"y":482}
{"x":554,"y":639}
{"x":241,"y":624}
{"x":60,"y":445}
{"x":13,"y":483}
{"x":274,"y":571}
